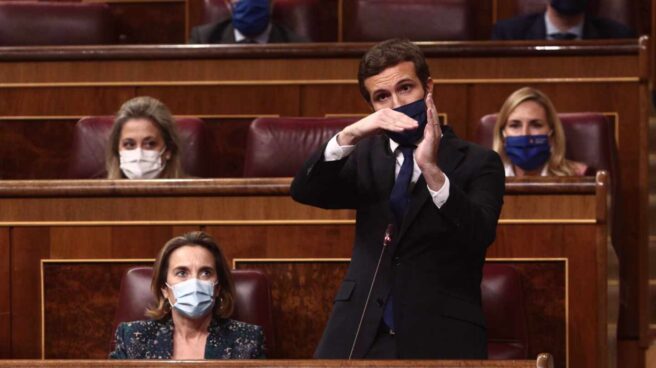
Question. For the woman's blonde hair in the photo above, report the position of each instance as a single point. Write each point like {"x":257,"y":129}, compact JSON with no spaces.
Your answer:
{"x":557,"y":165}
{"x":224,"y":301}
{"x":155,"y":111}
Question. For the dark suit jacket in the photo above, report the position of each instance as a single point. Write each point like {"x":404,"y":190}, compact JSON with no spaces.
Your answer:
{"x":149,"y":339}
{"x":433,"y":268}
{"x":224,"y":32}
{"x":533,"y":27}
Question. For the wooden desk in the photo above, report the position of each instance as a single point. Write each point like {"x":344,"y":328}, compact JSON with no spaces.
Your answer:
{"x":542,"y":361}
{"x":88,"y":232}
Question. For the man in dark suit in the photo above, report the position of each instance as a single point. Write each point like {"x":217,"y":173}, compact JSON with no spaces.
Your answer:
{"x":250,"y":23}
{"x":443,"y":197}
{"x":563,"y":20}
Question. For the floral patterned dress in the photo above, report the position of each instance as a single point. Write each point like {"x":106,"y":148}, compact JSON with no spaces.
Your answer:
{"x":151,"y":339}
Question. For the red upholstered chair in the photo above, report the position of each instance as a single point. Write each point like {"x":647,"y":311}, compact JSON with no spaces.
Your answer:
{"x":417,"y":20}
{"x":505,"y":312}
{"x":590,"y":139}
{"x":28,"y":23}
{"x":252,"y":300}
{"x":92,"y":134}
{"x":315,"y":20}
{"x":278,"y":147}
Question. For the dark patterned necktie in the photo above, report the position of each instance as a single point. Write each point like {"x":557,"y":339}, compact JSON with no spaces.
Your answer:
{"x":562,"y":36}
{"x":400,"y":196}
{"x":399,"y":200}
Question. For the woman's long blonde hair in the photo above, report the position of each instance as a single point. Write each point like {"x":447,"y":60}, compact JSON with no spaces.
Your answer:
{"x":557,"y":165}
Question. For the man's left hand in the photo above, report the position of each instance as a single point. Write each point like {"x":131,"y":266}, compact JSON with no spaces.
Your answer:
{"x":426,"y":152}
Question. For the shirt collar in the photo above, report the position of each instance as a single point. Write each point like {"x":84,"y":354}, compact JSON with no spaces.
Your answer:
{"x":393,"y":145}
{"x":551,"y":28}
{"x":261,"y":38}
{"x":508,"y":168}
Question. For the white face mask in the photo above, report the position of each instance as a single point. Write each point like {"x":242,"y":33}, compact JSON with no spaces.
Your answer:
{"x":142,"y":164}
{"x":194,"y":298}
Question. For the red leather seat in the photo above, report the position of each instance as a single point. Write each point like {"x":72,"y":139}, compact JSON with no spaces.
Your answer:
{"x":315,"y":20}
{"x":417,"y":20}
{"x":278,"y":147}
{"x":590,"y":139}
{"x":92,"y":134}
{"x":252,"y":299}
{"x":31,"y":23}
{"x":505,"y":312}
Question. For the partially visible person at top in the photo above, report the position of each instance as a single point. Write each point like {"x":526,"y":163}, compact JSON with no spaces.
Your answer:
{"x":194,"y":298}
{"x":143,"y":142}
{"x":562,"y":20}
{"x":529,"y":137}
{"x":250,"y":23}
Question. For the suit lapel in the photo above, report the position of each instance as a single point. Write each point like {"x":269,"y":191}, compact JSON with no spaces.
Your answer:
{"x":449,"y":157}
{"x":538,"y":30}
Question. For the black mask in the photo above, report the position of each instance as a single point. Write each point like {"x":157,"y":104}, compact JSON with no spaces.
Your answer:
{"x":569,"y":7}
{"x":417,"y":111}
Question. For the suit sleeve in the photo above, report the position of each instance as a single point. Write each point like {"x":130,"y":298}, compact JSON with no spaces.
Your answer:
{"x":119,"y":347}
{"x":474,"y":210}
{"x":330,"y":185}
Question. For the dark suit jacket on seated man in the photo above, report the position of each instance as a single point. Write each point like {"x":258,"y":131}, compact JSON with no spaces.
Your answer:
{"x":426,"y":299}
{"x":563,"y":20}
{"x":250,"y":23}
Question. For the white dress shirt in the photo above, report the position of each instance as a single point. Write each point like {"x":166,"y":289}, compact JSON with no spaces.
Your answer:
{"x":334,"y":152}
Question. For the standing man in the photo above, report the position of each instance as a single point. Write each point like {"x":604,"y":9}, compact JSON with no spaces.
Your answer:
{"x":563,"y":20}
{"x":443,"y":197}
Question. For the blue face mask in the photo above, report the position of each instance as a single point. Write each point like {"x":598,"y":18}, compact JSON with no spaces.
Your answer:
{"x":569,"y":7}
{"x":250,"y":17}
{"x":529,"y":152}
{"x":417,"y":111}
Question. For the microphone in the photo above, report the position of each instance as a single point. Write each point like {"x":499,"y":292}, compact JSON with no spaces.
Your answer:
{"x":387,"y":241}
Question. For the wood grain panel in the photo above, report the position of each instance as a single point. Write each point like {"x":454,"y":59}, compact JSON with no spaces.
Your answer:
{"x":235,"y":100}
{"x":5,"y":294}
{"x":579,"y":245}
{"x":542,"y":361}
{"x":36,"y":149}
{"x":80,"y":300}
{"x":28,"y":247}
{"x":302,"y":294}
{"x":78,"y":101}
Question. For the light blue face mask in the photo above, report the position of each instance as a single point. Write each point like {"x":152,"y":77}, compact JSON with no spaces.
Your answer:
{"x":194,"y":298}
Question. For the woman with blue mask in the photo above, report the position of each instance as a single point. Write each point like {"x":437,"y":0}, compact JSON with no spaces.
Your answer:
{"x":143,"y":142}
{"x":194,"y":298}
{"x":529,"y":137}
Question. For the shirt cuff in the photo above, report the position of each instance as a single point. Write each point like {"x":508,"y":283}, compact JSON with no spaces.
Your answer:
{"x":334,"y":151}
{"x":440,"y":197}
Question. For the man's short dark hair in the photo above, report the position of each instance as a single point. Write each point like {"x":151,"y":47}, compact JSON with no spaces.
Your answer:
{"x":387,"y":54}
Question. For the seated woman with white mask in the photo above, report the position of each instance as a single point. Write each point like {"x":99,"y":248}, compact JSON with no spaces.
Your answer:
{"x":530,"y":139}
{"x":194,"y":295}
{"x":144,"y":142}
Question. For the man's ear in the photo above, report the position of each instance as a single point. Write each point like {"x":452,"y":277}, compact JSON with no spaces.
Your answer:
{"x":429,"y":85}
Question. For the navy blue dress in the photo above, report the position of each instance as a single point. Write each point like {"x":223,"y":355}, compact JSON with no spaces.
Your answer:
{"x":151,"y":339}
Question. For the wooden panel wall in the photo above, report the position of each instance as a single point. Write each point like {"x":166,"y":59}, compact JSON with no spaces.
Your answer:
{"x":170,"y":21}
{"x":115,"y":220}
{"x":302,"y":294}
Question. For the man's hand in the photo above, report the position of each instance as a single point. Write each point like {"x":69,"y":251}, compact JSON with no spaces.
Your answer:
{"x":426,"y":152}
{"x":384,"y":119}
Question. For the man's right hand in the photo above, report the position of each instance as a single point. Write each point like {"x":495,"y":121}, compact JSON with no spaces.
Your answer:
{"x":383,"y":119}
